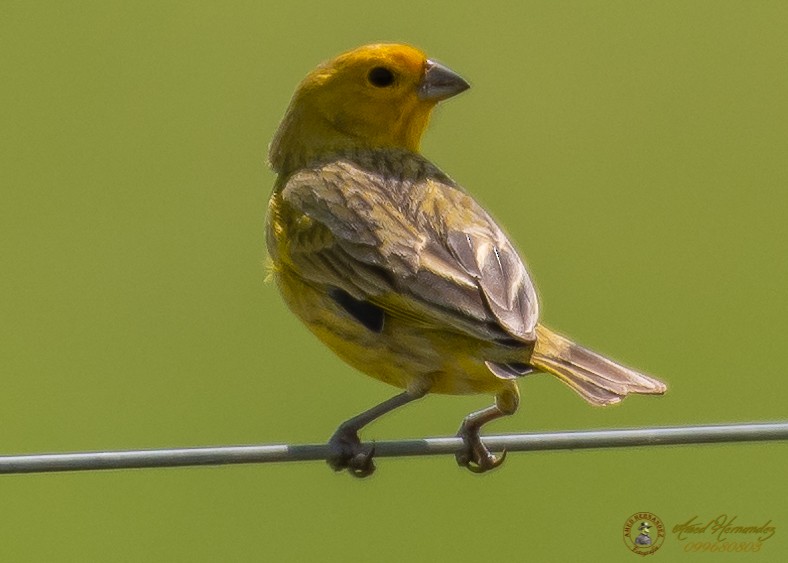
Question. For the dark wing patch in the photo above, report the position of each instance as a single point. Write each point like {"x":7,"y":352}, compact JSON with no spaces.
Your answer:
{"x":371,"y":316}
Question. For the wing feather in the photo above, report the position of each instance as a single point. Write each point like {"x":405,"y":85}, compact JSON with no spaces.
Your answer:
{"x":418,"y":247}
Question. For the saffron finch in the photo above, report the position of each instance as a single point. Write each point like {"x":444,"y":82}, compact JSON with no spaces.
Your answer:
{"x":398,"y":269}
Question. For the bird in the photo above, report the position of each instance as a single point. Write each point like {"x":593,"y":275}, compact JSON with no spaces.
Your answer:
{"x":396,"y":267}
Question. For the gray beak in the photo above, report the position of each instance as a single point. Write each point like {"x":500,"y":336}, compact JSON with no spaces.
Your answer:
{"x":440,"y":82}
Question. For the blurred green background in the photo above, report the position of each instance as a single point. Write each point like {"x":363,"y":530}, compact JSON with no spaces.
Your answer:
{"x":636,"y":152}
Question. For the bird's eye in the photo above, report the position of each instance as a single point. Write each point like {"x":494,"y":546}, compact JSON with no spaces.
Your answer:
{"x":380,"y":77}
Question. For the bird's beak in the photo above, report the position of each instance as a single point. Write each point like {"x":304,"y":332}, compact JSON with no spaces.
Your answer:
{"x":440,"y":83}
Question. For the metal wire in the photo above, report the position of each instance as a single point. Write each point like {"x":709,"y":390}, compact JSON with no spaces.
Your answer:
{"x":181,"y":457}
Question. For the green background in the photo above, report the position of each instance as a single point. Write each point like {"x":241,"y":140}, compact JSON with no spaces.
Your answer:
{"x":636,"y":152}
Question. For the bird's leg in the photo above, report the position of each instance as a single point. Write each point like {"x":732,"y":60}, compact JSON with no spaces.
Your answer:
{"x":475,"y":456}
{"x":346,"y":450}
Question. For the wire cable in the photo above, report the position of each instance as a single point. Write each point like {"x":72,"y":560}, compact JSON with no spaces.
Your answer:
{"x":225,"y":455}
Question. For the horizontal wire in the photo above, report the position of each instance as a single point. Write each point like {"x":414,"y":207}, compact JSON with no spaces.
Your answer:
{"x":224,"y":455}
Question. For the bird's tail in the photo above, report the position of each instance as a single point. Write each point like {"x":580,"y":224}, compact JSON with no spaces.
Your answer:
{"x":598,"y":380}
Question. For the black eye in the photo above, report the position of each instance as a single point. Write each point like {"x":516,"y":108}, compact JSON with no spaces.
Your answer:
{"x":380,"y":77}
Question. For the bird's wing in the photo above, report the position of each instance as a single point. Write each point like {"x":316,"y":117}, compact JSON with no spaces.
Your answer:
{"x":422,"y":249}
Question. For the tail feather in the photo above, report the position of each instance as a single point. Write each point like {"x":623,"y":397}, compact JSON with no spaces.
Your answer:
{"x":597,"y":379}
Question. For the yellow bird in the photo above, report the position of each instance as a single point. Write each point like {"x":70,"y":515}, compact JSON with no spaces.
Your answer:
{"x":395,"y":267}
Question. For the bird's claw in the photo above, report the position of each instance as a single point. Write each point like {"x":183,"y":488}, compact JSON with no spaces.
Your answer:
{"x":348,"y":453}
{"x":485,"y":463}
{"x":475,"y":456}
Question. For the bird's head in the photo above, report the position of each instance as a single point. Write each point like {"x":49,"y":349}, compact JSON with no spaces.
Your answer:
{"x":375,"y":96}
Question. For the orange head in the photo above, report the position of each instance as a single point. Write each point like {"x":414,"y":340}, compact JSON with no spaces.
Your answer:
{"x":374,"y":96}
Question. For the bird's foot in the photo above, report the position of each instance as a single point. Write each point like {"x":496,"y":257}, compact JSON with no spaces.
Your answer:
{"x":348,"y":453}
{"x":475,"y":456}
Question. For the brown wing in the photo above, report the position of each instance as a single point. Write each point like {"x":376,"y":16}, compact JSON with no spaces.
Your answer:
{"x":416,"y":247}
